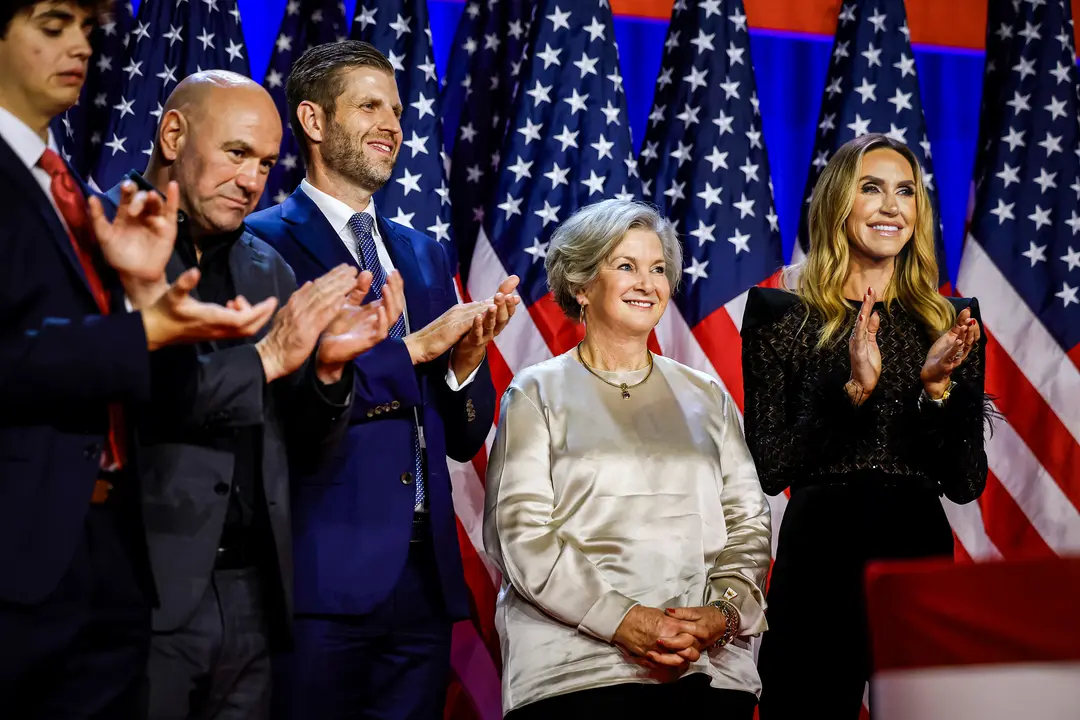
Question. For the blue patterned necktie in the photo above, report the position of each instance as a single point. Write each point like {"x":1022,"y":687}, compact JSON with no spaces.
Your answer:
{"x":361,"y":224}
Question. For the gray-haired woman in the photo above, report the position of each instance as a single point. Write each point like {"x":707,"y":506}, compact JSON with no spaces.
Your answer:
{"x":623,"y":507}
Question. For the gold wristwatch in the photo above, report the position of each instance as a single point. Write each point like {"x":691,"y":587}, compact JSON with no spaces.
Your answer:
{"x":731,"y":626}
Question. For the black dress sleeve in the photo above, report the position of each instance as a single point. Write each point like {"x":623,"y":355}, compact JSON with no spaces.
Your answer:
{"x":765,"y":387}
{"x":954,"y":431}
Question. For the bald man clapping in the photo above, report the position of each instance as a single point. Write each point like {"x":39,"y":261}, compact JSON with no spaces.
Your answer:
{"x":227,"y":422}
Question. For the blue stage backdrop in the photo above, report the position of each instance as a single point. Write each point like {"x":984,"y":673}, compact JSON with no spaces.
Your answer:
{"x":790,"y":70}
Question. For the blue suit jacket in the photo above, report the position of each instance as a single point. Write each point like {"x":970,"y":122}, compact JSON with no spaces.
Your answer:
{"x":352,"y":520}
{"x":61,"y":364}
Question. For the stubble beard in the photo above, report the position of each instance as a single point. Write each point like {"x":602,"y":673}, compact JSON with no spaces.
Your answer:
{"x":344,"y":154}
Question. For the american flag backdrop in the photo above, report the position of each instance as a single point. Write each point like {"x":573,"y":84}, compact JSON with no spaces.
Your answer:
{"x":169,"y":40}
{"x":1022,"y":260}
{"x":417,"y":195}
{"x":79,"y":130}
{"x":305,"y":23}
{"x":485,"y":63}
{"x":703,"y":163}
{"x":569,"y":146}
{"x":872,"y":86}
{"x":481,"y":84}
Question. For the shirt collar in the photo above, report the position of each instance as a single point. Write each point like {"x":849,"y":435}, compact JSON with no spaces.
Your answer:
{"x":26,"y":143}
{"x":337,"y":212}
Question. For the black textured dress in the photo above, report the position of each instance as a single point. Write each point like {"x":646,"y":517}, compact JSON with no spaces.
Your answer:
{"x":865,"y":484}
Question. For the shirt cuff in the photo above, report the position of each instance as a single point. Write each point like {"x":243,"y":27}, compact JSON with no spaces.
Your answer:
{"x":338,"y":393}
{"x":606,"y":614}
{"x":451,"y":378}
{"x":750,"y":604}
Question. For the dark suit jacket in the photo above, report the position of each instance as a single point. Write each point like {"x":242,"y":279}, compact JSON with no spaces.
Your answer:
{"x":187,"y":481}
{"x":61,"y":364}
{"x":352,"y":520}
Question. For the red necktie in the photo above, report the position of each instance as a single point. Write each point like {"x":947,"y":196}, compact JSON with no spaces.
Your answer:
{"x":72,"y":204}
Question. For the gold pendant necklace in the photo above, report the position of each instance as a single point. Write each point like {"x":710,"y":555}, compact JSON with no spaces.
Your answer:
{"x":624,"y":387}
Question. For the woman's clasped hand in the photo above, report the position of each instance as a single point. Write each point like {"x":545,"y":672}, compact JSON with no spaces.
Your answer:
{"x":671,"y":638}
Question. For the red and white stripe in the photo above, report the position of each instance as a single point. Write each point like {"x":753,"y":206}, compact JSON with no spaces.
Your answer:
{"x":1030,"y":507}
{"x":949,"y":644}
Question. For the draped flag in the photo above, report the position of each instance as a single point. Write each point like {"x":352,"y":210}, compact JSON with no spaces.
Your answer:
{"x":306,"y":23}
{"x":417,"y":194}
{"x":872,"y":86}
{"x":169,"y":41}
{"x":477,"y":101}
{"x":79,"y":130}
{"x":569,"y":146}
{"x":704,"y":165}
{"x":481,"y":80}
{"x":1022,"y":260}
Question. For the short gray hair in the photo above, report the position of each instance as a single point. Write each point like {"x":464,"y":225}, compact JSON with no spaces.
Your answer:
{"x":581,"y":244}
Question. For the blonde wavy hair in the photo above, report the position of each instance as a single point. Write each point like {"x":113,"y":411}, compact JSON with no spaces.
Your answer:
{"x":819,"y":280}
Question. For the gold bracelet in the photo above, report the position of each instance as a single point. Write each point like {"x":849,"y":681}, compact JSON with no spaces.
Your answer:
{"x":924,"y":397}
{"x":948,"y":391}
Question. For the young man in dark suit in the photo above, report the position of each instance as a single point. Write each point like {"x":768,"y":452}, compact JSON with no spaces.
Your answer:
{"x":214,"y":445}
{"x":379,"y":579}
{"x":75,"y":589}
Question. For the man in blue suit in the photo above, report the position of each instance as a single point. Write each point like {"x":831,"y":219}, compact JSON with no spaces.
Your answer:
{"x":75,"y":588}
{"x":379,"y":580}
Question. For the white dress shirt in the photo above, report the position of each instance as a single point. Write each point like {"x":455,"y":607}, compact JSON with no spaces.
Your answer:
{"x":338,"y":215}
{"x":29,"y":148}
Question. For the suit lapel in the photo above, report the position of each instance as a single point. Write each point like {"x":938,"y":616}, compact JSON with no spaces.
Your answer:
{"x":404,"y":257}
{"x":174,"y":269}
{"x":39,"y":201}
{"x":312,"y":231}
{"x":250,"y":267}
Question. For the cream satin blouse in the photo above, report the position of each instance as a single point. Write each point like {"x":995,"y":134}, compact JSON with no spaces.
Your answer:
{"x":596,"y":503}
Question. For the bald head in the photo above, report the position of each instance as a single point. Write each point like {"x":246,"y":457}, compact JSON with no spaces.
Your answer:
{"x":200,"y":91}
{"x":219,"y":135}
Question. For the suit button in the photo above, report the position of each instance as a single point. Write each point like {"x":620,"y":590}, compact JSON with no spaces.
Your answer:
{"x":92,"y":451}
{"x":406,"y":478}
{"x":395,"y":405}
{"x":222,"y":488}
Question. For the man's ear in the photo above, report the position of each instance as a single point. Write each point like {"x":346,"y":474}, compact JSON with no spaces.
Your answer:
{"x":313,"y":120}
{"x":172,"y":134}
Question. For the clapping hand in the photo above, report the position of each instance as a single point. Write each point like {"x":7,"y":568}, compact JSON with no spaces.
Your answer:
{"x":299,"y":324}
{"x":948,"y":353}
{"x":864,"y":351}
{"x":438,"y":336}
{"x":139,"y":240}
{"x":176,"y":317}
{"x":486,"y":326}
{"x":358,"y":327}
